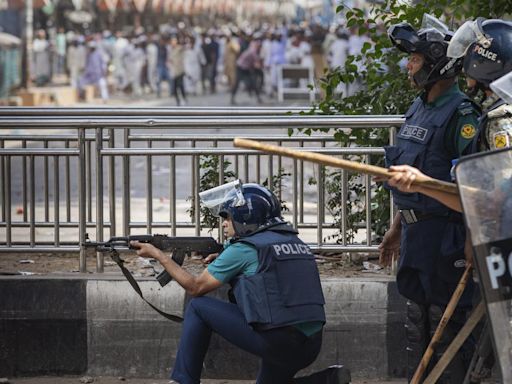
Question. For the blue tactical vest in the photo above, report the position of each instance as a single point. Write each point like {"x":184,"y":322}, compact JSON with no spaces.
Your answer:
{"x":286,"y":288}
{"x":431,"y":251}
{"x":421,"y":143}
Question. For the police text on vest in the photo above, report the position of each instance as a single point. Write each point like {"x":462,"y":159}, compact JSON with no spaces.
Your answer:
{"x":290,"y":249}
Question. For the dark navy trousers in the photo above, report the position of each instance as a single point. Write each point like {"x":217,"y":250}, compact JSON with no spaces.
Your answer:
{"x":283,"y":351}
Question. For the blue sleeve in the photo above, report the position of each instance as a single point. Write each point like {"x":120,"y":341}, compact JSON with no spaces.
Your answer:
{"x":236,"y":259}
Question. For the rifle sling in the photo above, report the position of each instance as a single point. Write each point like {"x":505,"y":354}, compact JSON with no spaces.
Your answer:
{"x":115,"y":256}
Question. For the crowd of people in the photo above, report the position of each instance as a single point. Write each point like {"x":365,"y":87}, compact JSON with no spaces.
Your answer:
{"x":191,"y":61}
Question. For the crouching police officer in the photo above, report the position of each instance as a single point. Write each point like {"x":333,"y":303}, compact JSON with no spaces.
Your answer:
{"x":279,"y":309}
{"x":429,"y":237}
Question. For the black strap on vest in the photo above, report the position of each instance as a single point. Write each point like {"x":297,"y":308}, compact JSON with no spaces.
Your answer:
{"x":115,"y":256}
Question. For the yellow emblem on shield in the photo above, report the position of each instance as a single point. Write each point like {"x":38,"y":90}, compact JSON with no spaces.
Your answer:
{"x":468,"y":131}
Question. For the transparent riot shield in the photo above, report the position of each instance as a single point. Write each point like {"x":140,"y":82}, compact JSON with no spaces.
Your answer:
{"x":485,"y":188}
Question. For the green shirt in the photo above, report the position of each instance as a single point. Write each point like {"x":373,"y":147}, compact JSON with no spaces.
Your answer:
{"x":236,"y":259}
{"x":242,"y":259}
{"x":462,"y":125}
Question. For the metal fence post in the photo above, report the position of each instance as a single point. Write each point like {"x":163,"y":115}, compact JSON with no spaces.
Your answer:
{"x":82,"y":224}
{"x":126,"y":186}
{"x":99,"y":197}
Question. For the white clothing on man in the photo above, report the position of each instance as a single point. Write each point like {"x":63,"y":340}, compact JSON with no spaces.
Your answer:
{"x":152,"y":60}
{"x":118,"y":60}
{"x":76,"y":57}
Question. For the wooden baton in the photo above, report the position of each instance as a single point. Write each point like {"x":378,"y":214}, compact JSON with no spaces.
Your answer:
{"x":341,"y":163}
{"x":448,"y":312}
{"x":455,"y":345}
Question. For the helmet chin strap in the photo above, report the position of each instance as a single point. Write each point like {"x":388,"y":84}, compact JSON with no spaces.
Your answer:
{"x":473,"y":91}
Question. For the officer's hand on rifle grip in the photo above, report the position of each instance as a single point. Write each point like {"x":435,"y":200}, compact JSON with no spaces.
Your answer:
{"x":208,"y":259}
{"x":147,"y":250}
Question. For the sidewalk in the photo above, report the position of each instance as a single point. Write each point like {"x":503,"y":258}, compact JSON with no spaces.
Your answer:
{"x":222,"y":98}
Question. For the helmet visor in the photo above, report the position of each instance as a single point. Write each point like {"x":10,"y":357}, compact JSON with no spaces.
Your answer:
{"x":470,"y":32}
{"x":503,"y":87}
{"x":215,"y":198}
{"x":404,"y":37}
{"x":431,"y":22}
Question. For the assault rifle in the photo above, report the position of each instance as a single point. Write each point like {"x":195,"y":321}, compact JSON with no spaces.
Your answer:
{"x":178,"y":246}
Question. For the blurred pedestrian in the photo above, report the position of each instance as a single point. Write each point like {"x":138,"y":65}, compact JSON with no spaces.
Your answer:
{"x":76,"y":57}
{"x":194,"y":59}
{"x":60,"y":50}
{"x":162,"y":66}
{"x":246,"y":66}
{"x":95,"y":72}
{"x":231,"y":53}
{"x":41,"y":67}
{"x":152,"y":61}
{"x":318,"y":54}
{"x":119,"y":52}
{"x":211,"y":52}
{"x":177,"y":67}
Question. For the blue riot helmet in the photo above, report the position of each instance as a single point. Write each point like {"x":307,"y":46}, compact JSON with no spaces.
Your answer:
{"x":432,"y":42}
{"x":251,"y":207}
{"x":485,"y":46}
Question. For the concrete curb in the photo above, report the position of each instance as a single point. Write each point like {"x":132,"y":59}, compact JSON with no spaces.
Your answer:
{"x":57,"y":325}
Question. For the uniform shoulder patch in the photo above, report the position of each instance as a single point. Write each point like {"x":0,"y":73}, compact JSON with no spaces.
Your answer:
{"x":502,"y":110}
{"x":468,"y":131}
{"x":501,"y":140}
{"x":466,"y":108}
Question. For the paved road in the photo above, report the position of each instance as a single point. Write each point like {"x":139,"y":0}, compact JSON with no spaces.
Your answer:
{"x":160,"y":164}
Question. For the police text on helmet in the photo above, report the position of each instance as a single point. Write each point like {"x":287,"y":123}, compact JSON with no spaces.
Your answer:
{"x":486,"y":53}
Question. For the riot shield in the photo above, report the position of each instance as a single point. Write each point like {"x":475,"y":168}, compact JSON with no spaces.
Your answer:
{"x":485,"y":188}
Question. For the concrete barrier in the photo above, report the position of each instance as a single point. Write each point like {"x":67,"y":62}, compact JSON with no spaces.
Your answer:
{"x":57,"y":325}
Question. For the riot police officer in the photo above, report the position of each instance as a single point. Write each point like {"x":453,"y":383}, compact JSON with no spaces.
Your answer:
{"x":278,"y":312}
{"x":439,"y":127}
{"x":486,"y":46}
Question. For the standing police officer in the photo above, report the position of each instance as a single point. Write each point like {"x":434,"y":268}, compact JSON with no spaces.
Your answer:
{"x":486,"y":46}
{"x":430,"y":238}
{"x":279,"y":309}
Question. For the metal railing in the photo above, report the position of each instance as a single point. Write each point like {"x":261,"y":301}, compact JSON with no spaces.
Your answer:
{"x":64,"y":172}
